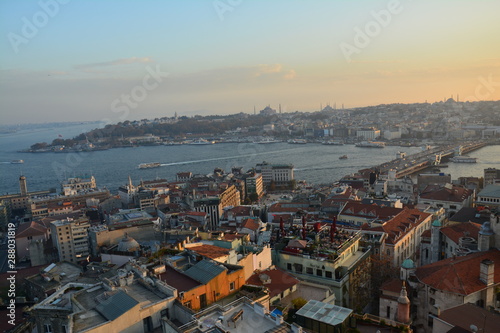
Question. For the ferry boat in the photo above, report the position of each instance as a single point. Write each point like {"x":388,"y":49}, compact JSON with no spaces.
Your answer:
{"x":201,"y":141}
{"x":149,"y":165}
{"x":17,"y":162}
{"x":266,"y":141}
{"x":297,"y":141}
{"x":463,"y":159}
{"x":370,"y":144}
{"x":343,"y":157}
{"x":333,"y":143}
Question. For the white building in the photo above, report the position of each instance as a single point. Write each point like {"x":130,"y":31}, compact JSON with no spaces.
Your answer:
{"x":368,"y":133}
{"x":74,"y":185}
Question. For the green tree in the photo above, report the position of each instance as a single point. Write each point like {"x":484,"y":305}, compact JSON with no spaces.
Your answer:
{"x":298,"y":303}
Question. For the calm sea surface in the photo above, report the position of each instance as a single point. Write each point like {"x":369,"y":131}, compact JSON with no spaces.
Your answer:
{"x":314,"y":163}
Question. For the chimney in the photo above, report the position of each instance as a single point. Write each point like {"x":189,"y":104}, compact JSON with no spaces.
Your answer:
{"x":487,"y":272}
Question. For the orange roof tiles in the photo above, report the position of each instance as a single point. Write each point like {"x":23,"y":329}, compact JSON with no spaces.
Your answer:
{"x":441,"y":193}
{"x":280,"y":281}
{"x":250,"y":224}
{"x":456,"y":231}
{"x":401,"y":224}
{"x":210,"y":251}
{"x":459,"y":275}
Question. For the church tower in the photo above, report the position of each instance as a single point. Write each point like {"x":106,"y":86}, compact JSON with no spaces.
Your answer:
{"x":403,"y":314}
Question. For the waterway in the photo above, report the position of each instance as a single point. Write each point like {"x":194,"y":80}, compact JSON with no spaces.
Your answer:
{"x":314,"y":163}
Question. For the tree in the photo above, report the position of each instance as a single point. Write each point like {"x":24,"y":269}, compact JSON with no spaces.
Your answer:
{"x":298,"y":302}
{"x":253,"y":197}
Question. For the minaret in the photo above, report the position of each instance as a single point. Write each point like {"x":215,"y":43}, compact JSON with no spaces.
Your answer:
{"x":403,"y":313}
{"x":22,"y":186}
{"x":435,"y":241}
{"x":130,"y":185}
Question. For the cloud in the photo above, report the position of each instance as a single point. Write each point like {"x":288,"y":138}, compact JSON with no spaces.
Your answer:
{"x":118,"y":62}
{"x":290,"y":75}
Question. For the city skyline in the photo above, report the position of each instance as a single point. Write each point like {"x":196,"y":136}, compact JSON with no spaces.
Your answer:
{"x":115,"y":61}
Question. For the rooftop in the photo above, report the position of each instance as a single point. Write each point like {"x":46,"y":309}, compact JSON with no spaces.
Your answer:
{"x":490,"y":191}
{"x":465,"y":315}
{"x":458,"y":275}
{"x":276,"y":280}
{"x":459,"y":230}
{"x":451,"y":193}
{"x":209,"y":251}
{"x":324,"y":312}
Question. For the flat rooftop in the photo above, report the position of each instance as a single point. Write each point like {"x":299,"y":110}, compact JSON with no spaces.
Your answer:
{"x":216,"y":318}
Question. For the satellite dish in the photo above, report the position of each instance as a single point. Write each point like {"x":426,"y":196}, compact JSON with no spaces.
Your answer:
{"x":473,"y":328}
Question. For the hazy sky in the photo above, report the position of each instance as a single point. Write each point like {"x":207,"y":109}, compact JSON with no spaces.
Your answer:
{"x":116,"y":60}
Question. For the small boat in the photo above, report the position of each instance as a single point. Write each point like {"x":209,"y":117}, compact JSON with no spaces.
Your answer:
{"x":17,"y":162}
{"x":343,"y":157}
{"x":201,"y":141}
{"x":463,"y":159}
{"x":149,"y":165}
{"x":332,"y":143}
{"x":370,"y":144}
{"x":297,"y":141}
{"x":266,"y":141}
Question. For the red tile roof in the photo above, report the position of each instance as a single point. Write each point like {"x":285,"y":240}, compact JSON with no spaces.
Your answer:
{"x":209,"y":251}
{"x":31,"y":229}
{"x":466,"y":229}
{"x":463,"y":315}
{"x":401,"y":224}
{"x":280,"y":281}
{"x":459,"y":275}
{"x":250,"y":224}
{"x":370,"y":211}
{"x":442,"y":193}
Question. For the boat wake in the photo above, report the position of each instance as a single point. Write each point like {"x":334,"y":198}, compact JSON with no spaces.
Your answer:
{"x":221,"y":158}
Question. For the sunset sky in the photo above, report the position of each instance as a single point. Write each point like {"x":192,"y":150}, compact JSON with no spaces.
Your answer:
{"x":96,"y":60}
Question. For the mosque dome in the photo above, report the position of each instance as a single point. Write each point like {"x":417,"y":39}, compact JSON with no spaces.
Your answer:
{"x":128,"y":244}
{"x":408,"y":264}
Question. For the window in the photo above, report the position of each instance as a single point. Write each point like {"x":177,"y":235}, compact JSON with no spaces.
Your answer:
{"x":319,"y":272}
{"x":309,"y":270}
{"x":188,"y":304}
{"x":30,"y":237}
{"x":432,"y":301}
{"x":231,"y":286}
{"x":388,"y":312}
{"x":289,"y":266}
{"x":47,"y":328}
{"x":328,"y":274}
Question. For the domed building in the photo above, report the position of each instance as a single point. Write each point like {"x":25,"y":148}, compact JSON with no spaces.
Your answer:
{"x":128,"y":244}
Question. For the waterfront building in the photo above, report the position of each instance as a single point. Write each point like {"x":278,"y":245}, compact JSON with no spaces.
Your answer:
{"x":70,"y":237}
{"x":72,"y":186}
{"x":280,"y":174}
{"x":368,"y":133}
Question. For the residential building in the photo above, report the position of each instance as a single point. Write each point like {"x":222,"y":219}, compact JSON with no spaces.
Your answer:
{"x":27,"y":233}
{"x":280,"y":174}
{"x":403,"y":235}
{"x":466,"y":318}
{"x":450,"y":197}
{"x":70,"y":237}
{"x":278,"y":282}
{"x":336,"y":260}
{"x":456,"y":281}
{"x":254,"y":184}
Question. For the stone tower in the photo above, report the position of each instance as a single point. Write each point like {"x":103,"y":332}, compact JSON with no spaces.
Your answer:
{"x":403,"y":314}
{"x":22,"y":186}
{"x":435,"y":241}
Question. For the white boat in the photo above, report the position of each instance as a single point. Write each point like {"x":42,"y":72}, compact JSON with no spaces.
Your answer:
{"x":17,"y":162}
{"x":333,"y":143}
{"x":201,"y":141}
{"x":371,"y":144}
{"x":266,"y":141}
{"x":298,"y":141}
{"x":463,"y":159}
{"x":149,"y":165}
